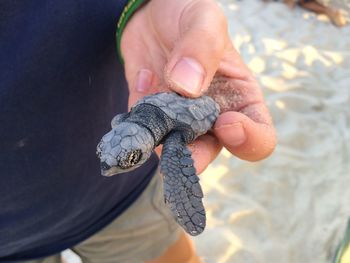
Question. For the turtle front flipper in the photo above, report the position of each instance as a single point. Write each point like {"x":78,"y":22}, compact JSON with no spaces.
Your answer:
{"x":182,"y":191}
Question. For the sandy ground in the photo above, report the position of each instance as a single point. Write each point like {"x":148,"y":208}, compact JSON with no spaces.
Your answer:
{"x":292,"y":207}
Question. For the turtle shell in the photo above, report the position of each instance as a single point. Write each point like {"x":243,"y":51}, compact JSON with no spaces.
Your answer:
{"x":199,"y":113}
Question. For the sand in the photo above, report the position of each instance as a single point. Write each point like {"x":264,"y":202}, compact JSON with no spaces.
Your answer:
{"x":292,"y":207}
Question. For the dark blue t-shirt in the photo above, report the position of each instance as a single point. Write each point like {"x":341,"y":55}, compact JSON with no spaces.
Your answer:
{"x":60,"y":85}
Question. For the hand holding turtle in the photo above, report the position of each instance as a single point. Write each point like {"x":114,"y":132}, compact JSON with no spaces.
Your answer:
{"x":180,"y":46}
{"x":193,"y":56}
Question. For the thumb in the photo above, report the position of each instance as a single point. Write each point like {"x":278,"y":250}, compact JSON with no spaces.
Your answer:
{"x":249,"y":134}
{"x":196,"y":55}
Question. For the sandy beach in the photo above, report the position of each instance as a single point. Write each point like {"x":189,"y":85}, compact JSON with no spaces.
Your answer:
{"x":294,"y":206}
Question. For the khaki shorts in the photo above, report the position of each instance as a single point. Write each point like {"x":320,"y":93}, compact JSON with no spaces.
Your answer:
{"x":143,"y":232}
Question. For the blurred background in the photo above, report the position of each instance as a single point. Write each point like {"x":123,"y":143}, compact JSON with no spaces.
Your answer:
{"x":292,"y":207}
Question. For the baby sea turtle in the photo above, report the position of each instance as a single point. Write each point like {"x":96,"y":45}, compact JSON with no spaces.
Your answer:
{"x":174,"y":121}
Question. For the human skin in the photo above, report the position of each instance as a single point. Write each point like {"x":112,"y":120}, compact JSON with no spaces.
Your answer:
{"x":180,"y":46}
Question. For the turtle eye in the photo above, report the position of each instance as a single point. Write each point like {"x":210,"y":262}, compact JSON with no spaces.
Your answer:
{"x":131,"y":159}
{"x":99,"y":150}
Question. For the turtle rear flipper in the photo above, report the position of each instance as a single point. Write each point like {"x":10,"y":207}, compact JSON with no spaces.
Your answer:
{"x":182,"y":191}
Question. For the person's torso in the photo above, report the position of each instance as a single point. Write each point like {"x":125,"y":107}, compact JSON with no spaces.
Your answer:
{"x":60,"y":85}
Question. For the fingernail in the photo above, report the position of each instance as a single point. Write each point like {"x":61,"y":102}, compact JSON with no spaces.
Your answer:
{"x":235,"y":131}
{"x":188,"y":74}
{"x":144,"y":80}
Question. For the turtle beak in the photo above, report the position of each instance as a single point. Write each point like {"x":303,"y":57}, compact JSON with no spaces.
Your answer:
{"x":105,"y":169}
{"x":104,"y":166}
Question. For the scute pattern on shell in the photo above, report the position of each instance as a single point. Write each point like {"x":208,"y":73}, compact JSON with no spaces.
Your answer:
{"x":199,"y":113}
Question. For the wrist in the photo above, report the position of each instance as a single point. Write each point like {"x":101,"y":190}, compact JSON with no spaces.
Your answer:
{"x":131,"y":7}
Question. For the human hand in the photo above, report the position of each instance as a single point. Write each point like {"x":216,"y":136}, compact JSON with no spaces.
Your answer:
{"x":180,"y":45}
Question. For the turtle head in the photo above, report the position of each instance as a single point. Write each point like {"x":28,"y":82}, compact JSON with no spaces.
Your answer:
{"x":126,"y":147}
